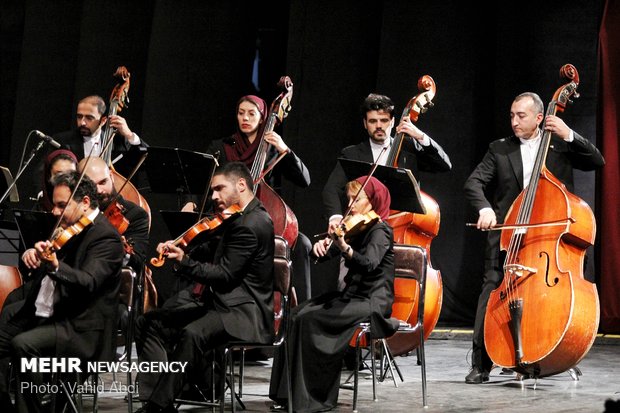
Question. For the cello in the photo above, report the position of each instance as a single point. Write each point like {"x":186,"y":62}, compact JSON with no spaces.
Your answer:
{"x":415,"y":229}
{"x":543,"y":318}
{"x":118,"y":100}
{"x":284,"y":220}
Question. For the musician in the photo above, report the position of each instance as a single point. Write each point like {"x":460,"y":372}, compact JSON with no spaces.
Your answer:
{"x":137,"y":232}
{"x":508,"y":165}
{"x":71,"y":309}
{"x":232,"y":298}
{"x":90,"y":119}
{"x":60,"y":160}
{"x":242,"y":146}
{"x":322,"y":327}
{"x":419,"y":152}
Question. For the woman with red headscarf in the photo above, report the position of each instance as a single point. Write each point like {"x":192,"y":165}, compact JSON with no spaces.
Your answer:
{"x":321,"y":328}
{"x":251,"y":115}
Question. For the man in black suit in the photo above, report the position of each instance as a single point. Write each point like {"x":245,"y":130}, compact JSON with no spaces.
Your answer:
{"x":508,"y":165}
{"x":232,"y":298}
{"x":137,"y":232}
{"x":90,"y":119}
{"x":419,"y":152}
{"x":71,"y":310}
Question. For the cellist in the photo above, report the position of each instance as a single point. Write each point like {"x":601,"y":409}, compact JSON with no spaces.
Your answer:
{"x":241,"y":146}
{"x":508,"y":164}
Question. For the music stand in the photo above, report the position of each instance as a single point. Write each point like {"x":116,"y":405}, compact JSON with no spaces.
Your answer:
{"x":178,"y":222}
{"x":6,"y":182}
{"x":174,"y":170}
{"x":403,"y":187}
{"x":34,"y":226}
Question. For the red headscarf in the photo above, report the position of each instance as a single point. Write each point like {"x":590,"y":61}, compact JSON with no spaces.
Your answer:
{"x":46,"y":200}
{"x":378,"y":195}
{"x":241,"y":149}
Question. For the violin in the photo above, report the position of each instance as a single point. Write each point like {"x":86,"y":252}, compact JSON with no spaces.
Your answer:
{"x":205,"y":225}
{"x":355,"y":225}
{"x":62,"y":236}
{"x":115,"y":214}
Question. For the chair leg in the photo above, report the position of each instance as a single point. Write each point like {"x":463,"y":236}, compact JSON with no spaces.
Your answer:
{"x":289,"y":390}
{"x":420,"y":352}
{"x":373,"y":363}
{"x":241,"y":372}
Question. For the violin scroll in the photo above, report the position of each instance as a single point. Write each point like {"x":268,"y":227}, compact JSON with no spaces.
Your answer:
{"x":281,"y":106}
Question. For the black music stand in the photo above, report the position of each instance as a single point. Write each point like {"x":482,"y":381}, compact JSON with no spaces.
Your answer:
{"x":174,"y":170}
{"x":34,"y":226}
{"x":403,"y":187}
{"x":6,"y":182}
{"x":178,"y":222}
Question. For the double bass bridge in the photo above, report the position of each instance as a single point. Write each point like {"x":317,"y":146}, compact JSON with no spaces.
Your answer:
{"x":518,"y":270}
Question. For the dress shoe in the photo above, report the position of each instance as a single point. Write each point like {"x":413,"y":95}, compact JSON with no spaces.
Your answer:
{"x":477,"y":376}
{"x":276,"y":407}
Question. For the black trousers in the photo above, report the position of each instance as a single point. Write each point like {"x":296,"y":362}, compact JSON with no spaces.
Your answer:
{"x":184,"y":330}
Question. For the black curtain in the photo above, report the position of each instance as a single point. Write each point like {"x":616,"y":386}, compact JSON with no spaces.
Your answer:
{"x":191,"y":60}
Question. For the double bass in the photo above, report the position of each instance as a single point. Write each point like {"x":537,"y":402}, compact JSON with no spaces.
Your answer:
{"x":543,"y":318}
{"x":416,"y":229}
{"x":284,"y":220}
{"x":118,"y":100}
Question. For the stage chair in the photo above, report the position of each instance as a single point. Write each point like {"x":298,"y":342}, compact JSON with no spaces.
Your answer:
{"x":282,"y":289}
{"x":124,"y":337}
{"x":410,"y":262}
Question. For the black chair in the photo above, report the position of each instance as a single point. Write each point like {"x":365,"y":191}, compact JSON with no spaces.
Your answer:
{"x":282,"y":290}
{"x":123,"y":338}
{"x":409,"y":262}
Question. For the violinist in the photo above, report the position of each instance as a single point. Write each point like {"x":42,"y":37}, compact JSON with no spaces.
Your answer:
{"x":251,"y":114}
{"x":322,"y":327}
{"x":58,"y":161}
{"x":232,"y":298}
{"x":71,"y":309}
{"x":508,"y":164}
{"x":136,"y":219}
{"x":419,"y":152}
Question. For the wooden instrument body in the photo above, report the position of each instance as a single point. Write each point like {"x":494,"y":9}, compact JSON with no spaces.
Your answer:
{"x":416,"y":229}
{"x":560,"y":309}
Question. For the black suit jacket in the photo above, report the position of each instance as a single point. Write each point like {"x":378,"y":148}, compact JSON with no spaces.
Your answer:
{"x":501,"y":171}
{"x":73,"y":141}
{"x":240,"y":279}
{"x":87,"y":286}
{"x":413,"y":156}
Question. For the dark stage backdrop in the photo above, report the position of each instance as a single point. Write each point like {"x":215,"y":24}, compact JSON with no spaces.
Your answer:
{"x":191,"y":60}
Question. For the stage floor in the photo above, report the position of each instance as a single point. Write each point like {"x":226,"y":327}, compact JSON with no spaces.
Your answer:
{"x":447,"y":360}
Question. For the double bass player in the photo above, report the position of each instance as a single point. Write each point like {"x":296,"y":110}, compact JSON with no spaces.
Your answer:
{"x":508,"y":164}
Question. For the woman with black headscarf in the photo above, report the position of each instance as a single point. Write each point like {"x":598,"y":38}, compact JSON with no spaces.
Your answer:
{"x":321,"y":328}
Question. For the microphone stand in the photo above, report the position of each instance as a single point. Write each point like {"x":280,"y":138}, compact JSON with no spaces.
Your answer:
{"x":22,"y":169}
